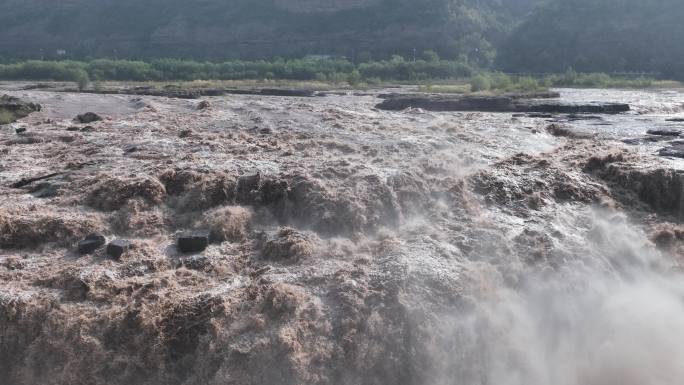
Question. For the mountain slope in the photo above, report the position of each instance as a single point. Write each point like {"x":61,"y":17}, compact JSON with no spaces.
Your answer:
{"x":607,"y":35}
{"x":216,"y":29}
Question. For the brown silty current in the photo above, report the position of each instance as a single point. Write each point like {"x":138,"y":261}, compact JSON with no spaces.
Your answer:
{"x":349,"y":245}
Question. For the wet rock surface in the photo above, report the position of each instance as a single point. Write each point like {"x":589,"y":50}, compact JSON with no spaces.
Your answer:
{"x":664,"y":132}
{"x":341,"y":244}
{"x":675,"y":151}
{"x":88,"y":117}
{"x":496,"y":104}
{"x":13,"y":108}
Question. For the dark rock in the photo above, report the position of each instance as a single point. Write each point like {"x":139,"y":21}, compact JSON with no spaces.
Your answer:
{"x":287,"y":92}
{"x":537,"y":115}
{"x":184,"y":134}
{"x":91,"y":243}
{"x":88,"y":129}
{"x":117,"y":248}
{"x":72,"y":128}
{"x":676,"y":151}
{"x":28,"y":181}
{"x":675,"y":120}
{"x":130,"y":149}
{"x":193,"y":241}
{"x":213,"y":92}
{"x":20,"y":130}
{"x":495,"y":104}
{"x":647,"y":139}
{"x":203,"y":105}
{"x":664,"y":132}
{"x":574,"y":117}
{"x":88,"y":117}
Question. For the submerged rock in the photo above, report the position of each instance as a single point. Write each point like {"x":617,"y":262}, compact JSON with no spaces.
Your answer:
{"x":88,"y":117}
{"x":674,"y":151}
{"x":664,"y":132}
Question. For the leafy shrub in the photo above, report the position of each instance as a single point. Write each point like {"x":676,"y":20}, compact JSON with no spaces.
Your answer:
{"x":500,"y":81}
{"x":527,"y":84}
{"x":480,"y":83}
{"x":81,"y":78}
{"x":354,"y":78}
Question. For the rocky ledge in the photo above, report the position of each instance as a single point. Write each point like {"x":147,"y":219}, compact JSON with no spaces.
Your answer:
{"x":505,"y":103}
{"x":12,"y":108}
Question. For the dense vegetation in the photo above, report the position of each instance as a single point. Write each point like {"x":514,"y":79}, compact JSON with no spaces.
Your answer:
{"x":337,"y":70}
{"x":427,"y":70}
{"x":600,"y":36}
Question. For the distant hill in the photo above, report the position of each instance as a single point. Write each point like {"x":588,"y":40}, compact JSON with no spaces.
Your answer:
{"x":600,"y":36}
{"x":224,"y":29}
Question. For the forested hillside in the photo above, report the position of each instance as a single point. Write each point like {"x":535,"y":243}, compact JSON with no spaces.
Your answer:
{"x":600,"y":36}
{"x":527,"y":36}
{"x":247,"y":29}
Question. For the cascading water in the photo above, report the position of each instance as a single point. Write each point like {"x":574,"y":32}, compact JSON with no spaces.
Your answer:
{"x":611,"y":317}
{"x":349,"y":245}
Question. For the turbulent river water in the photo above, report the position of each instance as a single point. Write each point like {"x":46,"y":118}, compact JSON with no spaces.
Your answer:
{"x":349,"y":245}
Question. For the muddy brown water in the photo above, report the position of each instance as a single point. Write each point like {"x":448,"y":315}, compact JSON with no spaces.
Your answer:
{"x":349,"y":245}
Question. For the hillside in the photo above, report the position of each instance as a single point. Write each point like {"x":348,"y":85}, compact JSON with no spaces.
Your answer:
{"x":215,"y":29}
{"x":607,"y":36}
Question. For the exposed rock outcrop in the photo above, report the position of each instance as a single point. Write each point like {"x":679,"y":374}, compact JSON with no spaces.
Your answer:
{"x":12,"y":108}
{"x":495,"y":104}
